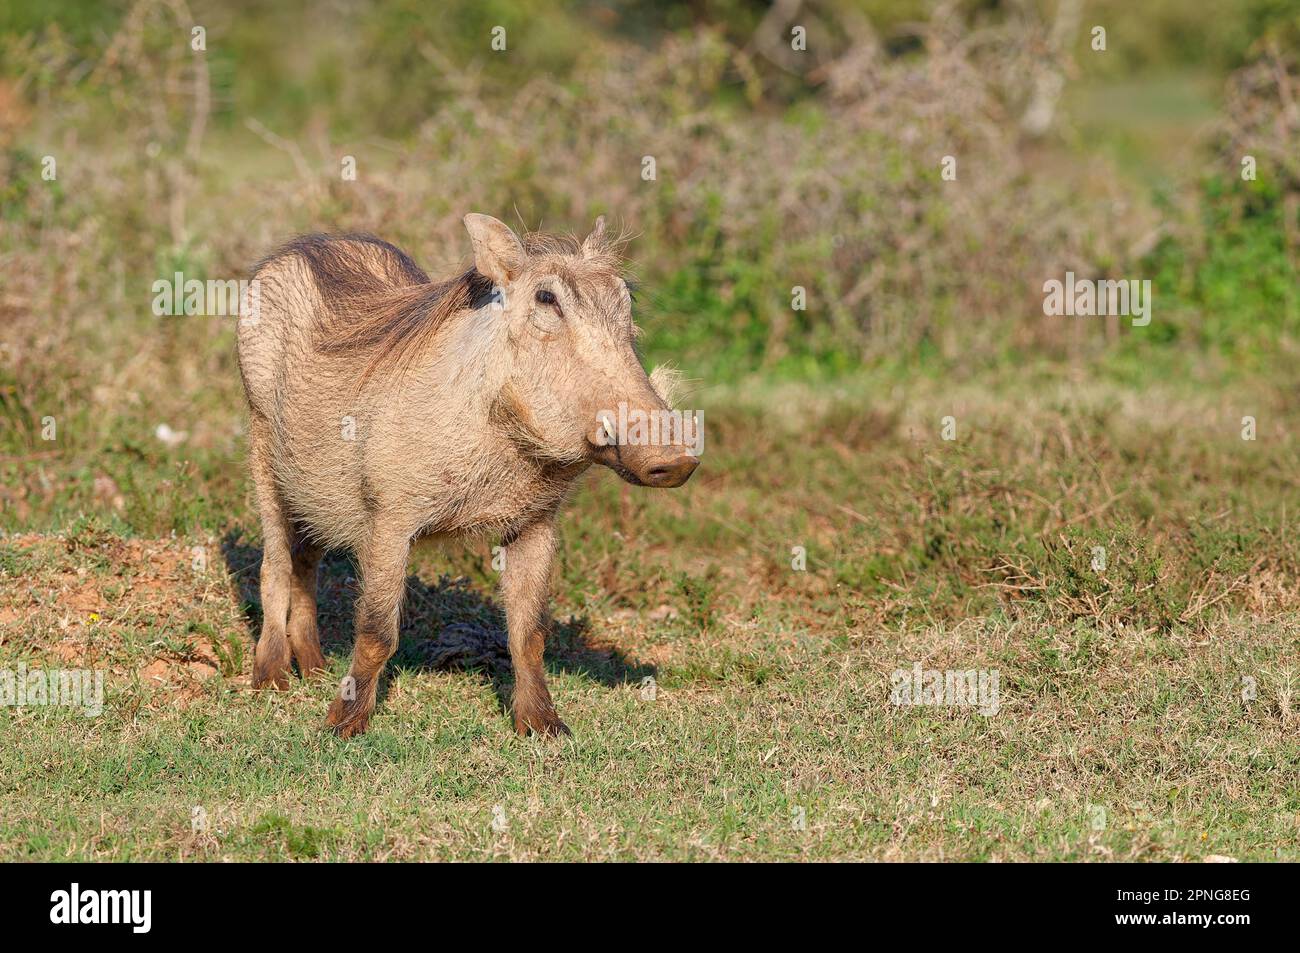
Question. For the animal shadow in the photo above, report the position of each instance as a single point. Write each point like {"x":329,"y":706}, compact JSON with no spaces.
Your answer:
{"x":447,"y":625}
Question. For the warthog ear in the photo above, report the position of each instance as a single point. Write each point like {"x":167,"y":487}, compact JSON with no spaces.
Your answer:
{"x":498,"y":253}
{"x":595,"y":242}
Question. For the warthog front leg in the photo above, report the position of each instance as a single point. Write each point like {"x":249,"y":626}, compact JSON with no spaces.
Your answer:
{"x":525,"y":589}
{"x":383,"y":581}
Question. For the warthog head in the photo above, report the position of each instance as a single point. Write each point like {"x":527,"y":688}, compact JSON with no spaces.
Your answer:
{"x":574,"y":377}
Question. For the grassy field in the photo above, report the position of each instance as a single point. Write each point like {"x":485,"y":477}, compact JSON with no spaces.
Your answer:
{"x":1123,"y":730}
{"x":918,"y":471}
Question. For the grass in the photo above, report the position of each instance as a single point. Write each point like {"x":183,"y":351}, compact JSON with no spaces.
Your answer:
{"x":1098,"y":533}
{"x":1122,"y":731}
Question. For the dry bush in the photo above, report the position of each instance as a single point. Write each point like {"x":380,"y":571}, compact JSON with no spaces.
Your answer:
{"x":1262,"y":119}
{"x":842,"y":195}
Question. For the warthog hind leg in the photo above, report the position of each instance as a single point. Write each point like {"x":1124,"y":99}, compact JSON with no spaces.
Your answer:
{"x":302,"y":631}
{"x":272,"y":657}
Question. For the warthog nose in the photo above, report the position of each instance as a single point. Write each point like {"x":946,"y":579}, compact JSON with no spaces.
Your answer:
{"x":673,"y":472}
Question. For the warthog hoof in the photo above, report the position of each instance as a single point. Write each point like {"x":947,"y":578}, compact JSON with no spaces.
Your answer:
{"x":546,"y":726}
{"x":347,"y":718}
{"x":271,"y":662}
{"x":272,"y":677}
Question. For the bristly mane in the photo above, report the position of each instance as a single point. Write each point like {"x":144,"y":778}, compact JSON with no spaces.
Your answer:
{"x":379,"y":302}
{"x":382,"y":304}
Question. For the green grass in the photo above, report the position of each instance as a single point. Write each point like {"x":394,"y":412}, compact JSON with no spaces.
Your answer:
{"x":717,"y":693}
{"x":1120,"y":690}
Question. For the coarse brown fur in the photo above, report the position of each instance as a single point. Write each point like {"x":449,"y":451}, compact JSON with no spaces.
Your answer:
{"x":386,"y":407}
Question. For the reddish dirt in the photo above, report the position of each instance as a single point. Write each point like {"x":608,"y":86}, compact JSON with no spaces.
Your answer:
{"x":85,"y":602}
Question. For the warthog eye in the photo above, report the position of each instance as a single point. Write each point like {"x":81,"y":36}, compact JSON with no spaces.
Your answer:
{"x":545,"y":297}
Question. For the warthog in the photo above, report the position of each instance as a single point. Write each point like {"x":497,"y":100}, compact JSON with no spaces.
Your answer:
{"x":386,"y":407}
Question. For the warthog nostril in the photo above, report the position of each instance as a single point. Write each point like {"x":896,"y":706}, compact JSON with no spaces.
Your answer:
{"x":672,"y":473}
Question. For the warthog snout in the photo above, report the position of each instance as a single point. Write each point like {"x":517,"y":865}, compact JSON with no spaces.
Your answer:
{"x":648,"y":443}
{"x":673,"y":472}
{"x":647,"y":465}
